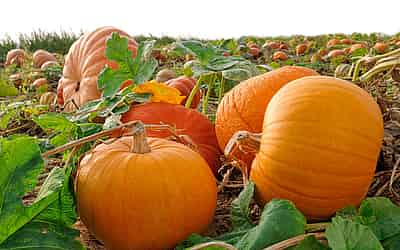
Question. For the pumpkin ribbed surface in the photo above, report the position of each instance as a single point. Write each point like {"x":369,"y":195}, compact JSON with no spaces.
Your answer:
{"x":244,"y":106}
{"x":320,"y":143}
{"x":149,"y":201}
{"x":188,"y":122}
{"x":185,"y":85}
{"x":83,"y":64}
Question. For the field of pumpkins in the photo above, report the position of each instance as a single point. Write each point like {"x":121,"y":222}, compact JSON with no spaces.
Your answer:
{"x":109,"y":141}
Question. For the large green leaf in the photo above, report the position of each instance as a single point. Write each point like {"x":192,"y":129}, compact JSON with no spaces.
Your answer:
{"x":382,"y":216}
{"x":344,"y":234}
{"x":240,"y":214}
{"x":21,"y":163}
{"x":280,"y":220}
{"x":310,"y":243}
{"x":392,"y":243}
{"x":203,"y":52}
{"x":64,"y":129}
{"x":138,"y":69}
{"x":6,"y":117}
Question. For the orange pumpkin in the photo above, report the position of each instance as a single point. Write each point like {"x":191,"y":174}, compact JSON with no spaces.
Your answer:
{"x":15,"y":56}
{"x":42,"y":56}
{"x":283,"y":46}
{"x":272,"y":45}
{"x":336,"y":53}
{"x":84,"y":62}
{"x":279,"y":56}
{"x":332,"y":42}
{"x":243,"y":107}
{"x":346,"y":41}
{"x":185,"y":85}
{"x":381,"y":47}
{"x":188,"y":122}
{"x":311,"y":128}
{"x":144,"y":193}
{"x":356,"y":46}
{"x":301,"y":49}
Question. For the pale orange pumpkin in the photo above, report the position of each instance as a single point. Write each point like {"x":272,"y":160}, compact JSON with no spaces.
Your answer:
{"x":83,"y":63}
{"x":48,"y":64}
{"x":40,"y":82}
{"x":346,"y":41}
{"x":42,"y":56}
{"x":272,"y":45}
{"x":243,"y":107}
{"x":336,"y":53}
{"x":15,"y":56}
{"x":279,"y":56}
{"x":144,"y":193}
{"x":312,"y":127}
{"x":332,"y":42}
{"x":357,"y":46}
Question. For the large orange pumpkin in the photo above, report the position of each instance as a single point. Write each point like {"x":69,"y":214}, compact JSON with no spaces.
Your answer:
{"x":185,"y":85}
{"x":42,"y":56}
{"x":83,"y":63}
{"x":144,"y":193}
{"x":320,"y":144}
{"x":15,"y":56}
{"x":188,"y":122}
{"x":244,"y":106}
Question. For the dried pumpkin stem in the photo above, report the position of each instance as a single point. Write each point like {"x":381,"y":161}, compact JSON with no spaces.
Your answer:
{"x":246,"y":141}
{"x":294,"y":241}
{"x":87,"y":139}
{"x":139,"y":139}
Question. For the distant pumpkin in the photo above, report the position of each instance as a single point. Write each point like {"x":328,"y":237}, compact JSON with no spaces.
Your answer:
{"x":15,"y":56}
{"x":185,"y":85}
{"x":381,"y":47}
{"x":280,"y":56}
{"x":42,"y":56}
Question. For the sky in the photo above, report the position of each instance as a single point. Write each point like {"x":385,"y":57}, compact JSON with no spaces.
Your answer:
{"x":202,"y":19}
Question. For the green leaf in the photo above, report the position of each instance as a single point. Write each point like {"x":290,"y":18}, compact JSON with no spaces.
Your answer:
{"x":220,"y":63}
{"x":236,"y":74}
{"x":21,"y":164}
{"x":6,"y":117}
{"x":382,"y":216}
{"x":310,"y":243}
{"x":240,"y":214}
{"x":203,"y":52}
{"x":138,"y":69}
{"x":64,"y":129}
{"x":392,"y":243}
{"x":7,"y":90}
{"x":280,"y":220}
{"x":111,"y":80}
{"x":349,"y":212}
{"x":40,"y":235}
{"x":344,"y":234}
{"x":192,"y":240}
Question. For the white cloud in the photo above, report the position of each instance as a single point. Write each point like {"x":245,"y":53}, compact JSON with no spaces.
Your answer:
{"x":204,"y":18}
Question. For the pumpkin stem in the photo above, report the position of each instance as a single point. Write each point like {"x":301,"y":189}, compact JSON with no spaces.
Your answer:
{"x":245,"y":142}
{"x":139,"y":139}
{"x":193,"y":93}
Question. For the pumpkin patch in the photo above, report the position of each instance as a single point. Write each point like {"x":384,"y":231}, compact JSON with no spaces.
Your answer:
{"x":114,"y":140}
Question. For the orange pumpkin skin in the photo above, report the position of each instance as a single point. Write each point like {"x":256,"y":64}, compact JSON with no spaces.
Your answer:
{"x":332,"y":42}
{"x":42,"y":56}
{"x":84,"y":62}
{"x":301,"y":49}
{"x":185,"y":85}
{"x":311,"y":128}
{"x":346,"y":41}
{"x":381,"y":47}
{"x":16,"y":56}
{"x":243,"y":107}
{"x":279,"y":55}
{"x":273,"y":45}
{"x":48,"y":64}
{"x":145,"y":201}
{"x":188,"y":122}
{"x":40,"y":82}
{"x":336,"y":53}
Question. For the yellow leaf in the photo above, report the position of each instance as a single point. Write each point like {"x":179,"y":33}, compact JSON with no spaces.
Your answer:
{"x":160,"y":92}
